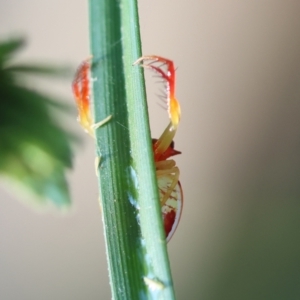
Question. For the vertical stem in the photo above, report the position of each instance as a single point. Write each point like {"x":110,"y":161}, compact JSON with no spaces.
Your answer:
{"x":135,"y":239}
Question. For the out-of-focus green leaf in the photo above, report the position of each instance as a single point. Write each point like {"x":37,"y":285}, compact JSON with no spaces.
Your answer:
{"x":34,"y":150}
{"x":8,"y":48}
{"x":40,"y":70}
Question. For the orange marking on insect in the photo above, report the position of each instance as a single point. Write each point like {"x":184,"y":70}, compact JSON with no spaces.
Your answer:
{"x":81,"y":91}
{"x":170,"y":190}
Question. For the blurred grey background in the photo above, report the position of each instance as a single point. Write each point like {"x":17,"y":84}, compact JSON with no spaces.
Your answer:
{"x":238,"y":82}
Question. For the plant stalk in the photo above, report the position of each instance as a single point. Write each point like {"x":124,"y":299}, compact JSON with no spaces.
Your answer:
{"x":135,"y":239}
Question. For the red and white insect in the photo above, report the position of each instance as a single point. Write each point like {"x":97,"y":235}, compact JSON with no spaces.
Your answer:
{"x":171,"y":195}
{"x":170,"y":191}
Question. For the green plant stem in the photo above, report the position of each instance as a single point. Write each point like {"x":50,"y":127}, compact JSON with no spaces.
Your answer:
{"x":135,"y":240}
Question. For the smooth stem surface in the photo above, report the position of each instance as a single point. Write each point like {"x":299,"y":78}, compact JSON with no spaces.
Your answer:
{"x":135,"y":239}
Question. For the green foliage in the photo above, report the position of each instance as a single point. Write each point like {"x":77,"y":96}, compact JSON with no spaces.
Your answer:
{"x":34,"y":149}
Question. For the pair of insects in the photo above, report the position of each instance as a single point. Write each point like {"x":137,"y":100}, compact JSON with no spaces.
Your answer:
{"x":170,"y":191}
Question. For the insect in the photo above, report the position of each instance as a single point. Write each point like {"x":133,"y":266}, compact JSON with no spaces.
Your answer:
{"x":170,"y":191}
